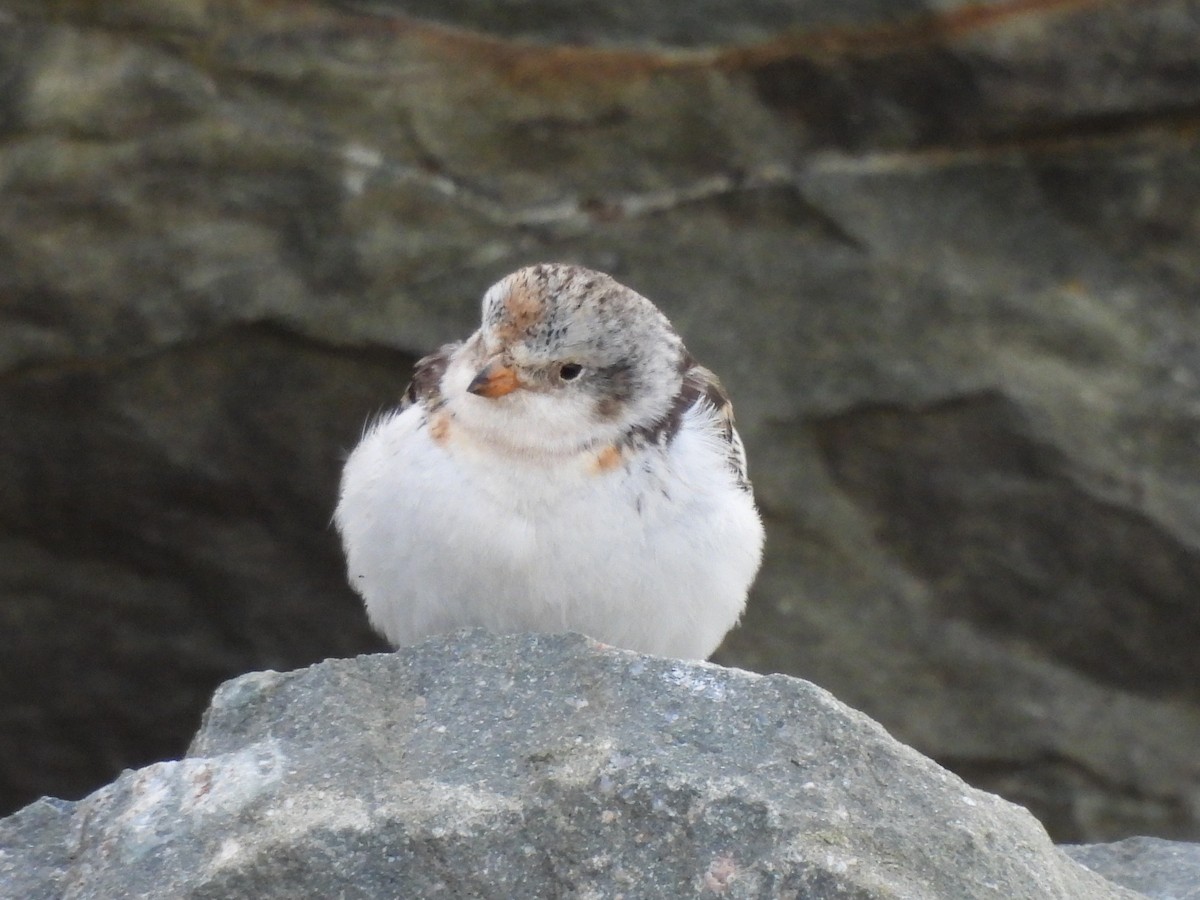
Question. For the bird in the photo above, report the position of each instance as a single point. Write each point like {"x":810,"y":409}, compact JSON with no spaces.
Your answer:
{"x":567,"y":467}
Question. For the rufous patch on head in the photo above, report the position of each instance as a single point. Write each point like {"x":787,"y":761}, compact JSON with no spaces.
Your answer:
{"x":523,"y":307}
{"x":608,"y":459}
{"x":439,"y":428}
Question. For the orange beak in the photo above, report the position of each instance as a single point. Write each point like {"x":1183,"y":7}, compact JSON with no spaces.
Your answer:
{"x":494,"y":380}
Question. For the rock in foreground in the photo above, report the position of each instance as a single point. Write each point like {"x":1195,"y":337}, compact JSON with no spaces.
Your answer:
{"x":486,"y":766}
{"x":1162,"y":870}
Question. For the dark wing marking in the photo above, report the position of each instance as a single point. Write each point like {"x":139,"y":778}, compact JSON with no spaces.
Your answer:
{"x":426,"y":384}
{"x":700,"y":386}
{"x":709,"y":390}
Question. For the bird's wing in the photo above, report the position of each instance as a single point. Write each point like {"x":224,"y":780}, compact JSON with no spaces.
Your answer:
{"x":426,"y":383}
{"x":700,"y":386}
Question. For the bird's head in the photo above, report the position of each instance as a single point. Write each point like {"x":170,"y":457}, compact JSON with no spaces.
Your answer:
{"x":565,"y":359}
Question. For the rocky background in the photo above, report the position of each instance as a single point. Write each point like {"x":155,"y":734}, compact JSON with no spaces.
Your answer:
{"x":944,"y":255}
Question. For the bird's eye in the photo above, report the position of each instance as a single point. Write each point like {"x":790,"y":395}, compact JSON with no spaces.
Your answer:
{"x":570,"y":371}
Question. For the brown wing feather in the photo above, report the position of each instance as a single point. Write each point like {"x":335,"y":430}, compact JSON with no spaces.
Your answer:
{"x":708,"y":388}
{"x":700,"y":386}
{"x":426,"y":383}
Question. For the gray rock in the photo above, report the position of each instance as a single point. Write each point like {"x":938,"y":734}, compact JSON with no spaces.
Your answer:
{"x":1162,"y":870}
{"x":522,"y":766}
{"x":36,"y":851}
{"x":945,"y":257}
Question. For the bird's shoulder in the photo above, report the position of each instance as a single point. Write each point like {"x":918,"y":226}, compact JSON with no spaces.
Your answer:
{"x":700,"y":387}
{"x":425,"y":387}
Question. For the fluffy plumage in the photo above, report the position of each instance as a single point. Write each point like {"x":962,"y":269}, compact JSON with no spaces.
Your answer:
{"x":567,"y":467}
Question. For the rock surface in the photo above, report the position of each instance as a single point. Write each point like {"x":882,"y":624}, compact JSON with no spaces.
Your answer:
{"x":536,"y":767}
{"x":1162,"y":870}
{"x":945,"y":256}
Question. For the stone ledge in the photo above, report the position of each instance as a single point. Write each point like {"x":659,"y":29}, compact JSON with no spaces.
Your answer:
{"x":539,"y":766}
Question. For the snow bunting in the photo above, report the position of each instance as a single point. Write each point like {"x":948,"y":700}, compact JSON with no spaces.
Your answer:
{"x":568,"y":467}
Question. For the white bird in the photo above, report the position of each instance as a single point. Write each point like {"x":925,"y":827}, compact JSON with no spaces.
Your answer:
{"x":568,"y":467}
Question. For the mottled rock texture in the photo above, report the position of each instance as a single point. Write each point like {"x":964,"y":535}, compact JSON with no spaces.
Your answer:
{"x":537,"y":767}
{"x":945,"y":257}
{"x":1162,"y":870}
